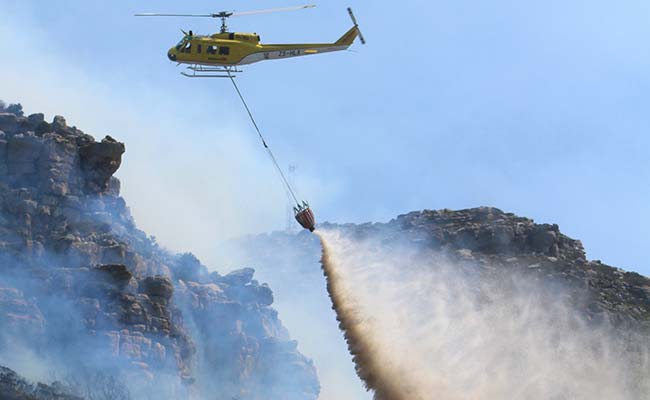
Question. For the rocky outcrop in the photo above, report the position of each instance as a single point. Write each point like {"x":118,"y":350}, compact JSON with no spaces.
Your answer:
{"x":497,"y":241}
{"x":13,"y":387}
{"x":490,"y":240}
{"x":485,"y":243}
{"x":87,"y":290}
{"x":266,"y":360}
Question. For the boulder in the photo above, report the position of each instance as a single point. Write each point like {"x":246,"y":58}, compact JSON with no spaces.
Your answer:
{"x":59,"y":124}
{"x":43,"y":128}
{"x":114,"y":254}
{"x":188,"y":268}
{"x":36,"y":119}
{"x":157,"y":286}
{"x":239,"y":277}
{"x":99,"y":161}
{"x":542,"y":240}
{"x":8,"y":122}
{"x":118,"y":273}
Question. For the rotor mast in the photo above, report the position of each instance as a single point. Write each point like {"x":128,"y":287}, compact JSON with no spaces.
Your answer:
{"x":224,"y":17}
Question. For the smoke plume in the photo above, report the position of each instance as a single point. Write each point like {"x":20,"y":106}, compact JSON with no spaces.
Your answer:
{"x":420,"y":326}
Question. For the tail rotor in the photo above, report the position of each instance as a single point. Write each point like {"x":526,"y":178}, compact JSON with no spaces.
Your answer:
{"x":354,"y":21}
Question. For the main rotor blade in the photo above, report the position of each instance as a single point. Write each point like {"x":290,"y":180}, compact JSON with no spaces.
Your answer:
{"x":173,"y":15}
{"x":272,"y":10}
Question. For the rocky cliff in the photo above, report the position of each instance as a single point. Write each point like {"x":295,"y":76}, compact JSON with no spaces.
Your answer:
{"x":496,"y":241}
{"x":86,"y":298}
{"x":489,"y":239}
{"x":491,"y":248}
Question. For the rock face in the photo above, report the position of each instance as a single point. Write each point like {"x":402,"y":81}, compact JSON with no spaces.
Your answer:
{"x":85,"y":290}
{"x":491,"y":239}
{"x":497,"y":241}
{"x":487,"y":243}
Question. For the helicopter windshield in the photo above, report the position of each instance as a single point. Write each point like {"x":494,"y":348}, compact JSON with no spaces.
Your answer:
{"x":181,"y":43}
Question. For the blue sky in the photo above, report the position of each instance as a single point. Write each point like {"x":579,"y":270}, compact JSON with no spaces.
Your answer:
{"x":538,"y":108}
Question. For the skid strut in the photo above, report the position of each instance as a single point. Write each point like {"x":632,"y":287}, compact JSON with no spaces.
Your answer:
{"x":203,"y":71}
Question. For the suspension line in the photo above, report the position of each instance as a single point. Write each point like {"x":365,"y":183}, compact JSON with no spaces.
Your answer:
{"x":259,"y":133}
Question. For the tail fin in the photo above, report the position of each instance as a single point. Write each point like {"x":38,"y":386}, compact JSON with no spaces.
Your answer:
{"x":348,"y":37}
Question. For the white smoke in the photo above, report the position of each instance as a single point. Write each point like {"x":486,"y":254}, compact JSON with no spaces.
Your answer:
{"x":421,"y":327}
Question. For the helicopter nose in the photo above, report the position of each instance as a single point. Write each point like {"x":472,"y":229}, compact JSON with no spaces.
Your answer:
{"x":171,"y":55}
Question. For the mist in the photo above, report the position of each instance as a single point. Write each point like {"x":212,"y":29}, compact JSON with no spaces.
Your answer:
{"x":420,"y":326}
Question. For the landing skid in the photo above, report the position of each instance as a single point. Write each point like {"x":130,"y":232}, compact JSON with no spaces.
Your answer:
{"x":202,"y":71}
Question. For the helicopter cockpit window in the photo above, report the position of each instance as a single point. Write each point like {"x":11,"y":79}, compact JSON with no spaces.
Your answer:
{"x":224,"y":51}
{"x":187,"y":48}
{"x":211,"y":50}
{"x":180,"y":44}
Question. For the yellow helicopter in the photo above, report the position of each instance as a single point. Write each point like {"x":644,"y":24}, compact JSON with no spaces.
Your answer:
{"x":220,"y":54}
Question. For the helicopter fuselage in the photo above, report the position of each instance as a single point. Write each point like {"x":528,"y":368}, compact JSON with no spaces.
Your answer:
{"x":231,"y":49}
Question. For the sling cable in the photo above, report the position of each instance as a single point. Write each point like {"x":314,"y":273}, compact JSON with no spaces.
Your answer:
{"x":302,"y":212}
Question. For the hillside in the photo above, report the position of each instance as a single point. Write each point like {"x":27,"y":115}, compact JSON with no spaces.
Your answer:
{"x":484,"y":237}
{"x":91,"y":307}
{"x":493,"y":253}
{"x":86,"y":297}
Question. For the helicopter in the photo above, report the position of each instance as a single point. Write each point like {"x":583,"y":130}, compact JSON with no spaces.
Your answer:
{"x":221,"y":54}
